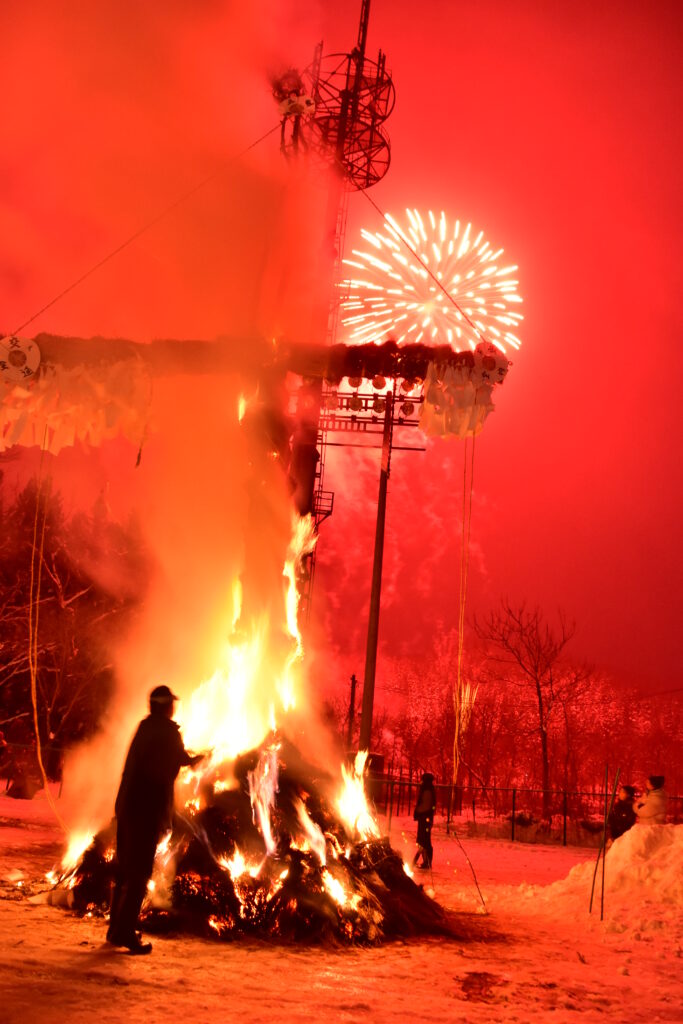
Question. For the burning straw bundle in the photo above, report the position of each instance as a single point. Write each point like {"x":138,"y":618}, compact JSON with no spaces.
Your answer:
{"x":272,"y":856}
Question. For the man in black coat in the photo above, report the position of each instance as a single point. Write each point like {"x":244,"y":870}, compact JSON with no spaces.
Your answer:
{"x":144,"y":811}
{"x":425,"y":808}
{"x":622,"y":816}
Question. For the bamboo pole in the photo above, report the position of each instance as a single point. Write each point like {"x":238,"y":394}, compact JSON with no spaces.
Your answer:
{"x":603,"y":845}
{"x":602,"y":842}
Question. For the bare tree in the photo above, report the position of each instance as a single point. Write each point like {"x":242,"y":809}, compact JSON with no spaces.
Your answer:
{"x":573,"y":687}
{"x":77,"y":612}
{"x":523,"y":640}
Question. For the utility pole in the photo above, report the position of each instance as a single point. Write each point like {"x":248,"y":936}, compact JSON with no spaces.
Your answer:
{"x":376,"y":589}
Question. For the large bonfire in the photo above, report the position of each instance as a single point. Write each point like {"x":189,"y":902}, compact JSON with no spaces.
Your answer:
{"x":266,"y":841}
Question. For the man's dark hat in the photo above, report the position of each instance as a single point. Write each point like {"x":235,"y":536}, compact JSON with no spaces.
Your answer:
{"x":161,"y":695}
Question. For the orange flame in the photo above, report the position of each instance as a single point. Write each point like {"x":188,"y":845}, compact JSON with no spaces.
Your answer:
{"x":263,"y":785}
{"x":302,"y":543}
{"x":352,"y":803}
{"x":237,"y":865}
{"x":237,"y":707}
{"x":78,"y":844}
{"x":312,"y":831}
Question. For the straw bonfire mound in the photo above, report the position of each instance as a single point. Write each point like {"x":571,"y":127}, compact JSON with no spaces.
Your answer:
{"x":274,"y":853}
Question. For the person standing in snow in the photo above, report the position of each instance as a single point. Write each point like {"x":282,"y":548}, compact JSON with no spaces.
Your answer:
{"x":651,"y":807}
{"x":144,"y":810}
{"x":622,"y":816}
{"x":425,"y":806}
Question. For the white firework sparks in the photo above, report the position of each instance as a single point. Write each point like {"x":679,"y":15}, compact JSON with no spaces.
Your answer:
{"x":392,"y":294}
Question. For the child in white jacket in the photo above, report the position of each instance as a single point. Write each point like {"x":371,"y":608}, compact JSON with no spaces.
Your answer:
{"x":651,"y":807}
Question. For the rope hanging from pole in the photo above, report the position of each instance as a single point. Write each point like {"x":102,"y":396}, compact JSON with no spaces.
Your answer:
{"x":461,"y":718}
{"x":467,"y":491}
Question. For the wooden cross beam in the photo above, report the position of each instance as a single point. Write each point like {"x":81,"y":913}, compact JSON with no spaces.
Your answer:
{"x":253,"y":354}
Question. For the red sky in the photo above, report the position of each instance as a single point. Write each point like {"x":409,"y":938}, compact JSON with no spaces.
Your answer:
{"x":554,"y":127}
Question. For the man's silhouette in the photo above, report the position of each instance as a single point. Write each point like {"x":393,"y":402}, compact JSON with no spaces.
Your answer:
{"x":144,"y":811}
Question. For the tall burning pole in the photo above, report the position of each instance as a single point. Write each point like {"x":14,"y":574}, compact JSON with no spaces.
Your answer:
{"x":350,"y":99}
{"x":306,"y":455}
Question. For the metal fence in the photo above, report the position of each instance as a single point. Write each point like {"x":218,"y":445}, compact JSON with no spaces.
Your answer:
{"x":515,"y":813}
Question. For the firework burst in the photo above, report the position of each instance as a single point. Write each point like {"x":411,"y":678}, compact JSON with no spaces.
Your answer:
{"x":430,"y":282}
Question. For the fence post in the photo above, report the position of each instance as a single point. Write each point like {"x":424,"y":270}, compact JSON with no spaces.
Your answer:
{"x":391,"y":804}
{"x":564,"y":814}
{"x":512,"y":817}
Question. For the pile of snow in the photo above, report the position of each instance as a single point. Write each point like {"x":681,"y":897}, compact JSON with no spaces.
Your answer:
{"x":643,"y":881}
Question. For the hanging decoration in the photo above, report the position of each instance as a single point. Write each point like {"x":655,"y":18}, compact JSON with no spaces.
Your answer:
{"x":458,"y":397}
{"x":88,"y":403}
{"x":19,"y":359}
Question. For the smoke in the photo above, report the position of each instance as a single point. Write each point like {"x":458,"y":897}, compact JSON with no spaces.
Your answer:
{"x":117,"y":109}
{"x":192,"y":502}
{"x":215,"y":507}
{"x":122,"y":108}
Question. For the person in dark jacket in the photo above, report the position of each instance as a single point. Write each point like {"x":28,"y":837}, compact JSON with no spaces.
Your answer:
{"x":623,"y":815}
{"x":425,"y":806}
{"x":144,"y":811}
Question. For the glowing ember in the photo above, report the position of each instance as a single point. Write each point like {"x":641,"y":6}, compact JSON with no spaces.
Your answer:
{"x":237,"y":865}
{"x":393,"y":295}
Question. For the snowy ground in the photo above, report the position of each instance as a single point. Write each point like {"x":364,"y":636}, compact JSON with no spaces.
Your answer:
{"x":537,"y":956}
